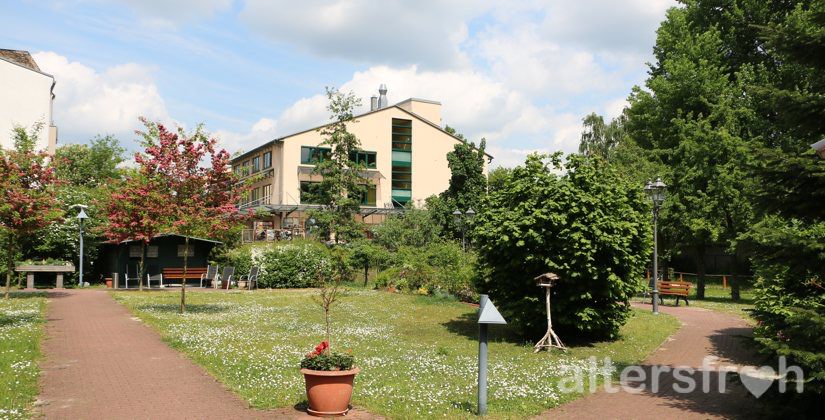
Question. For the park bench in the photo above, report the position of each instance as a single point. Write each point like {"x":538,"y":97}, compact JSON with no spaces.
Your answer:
{"x":192,"y":273}
{"x":680,"y":289}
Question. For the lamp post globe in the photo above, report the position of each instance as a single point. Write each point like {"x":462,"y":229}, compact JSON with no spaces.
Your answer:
{"x":656,"y":191}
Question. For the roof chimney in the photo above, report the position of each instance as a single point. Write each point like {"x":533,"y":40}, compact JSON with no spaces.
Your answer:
{"x":382,"y":100}
{"x":373,"y":103}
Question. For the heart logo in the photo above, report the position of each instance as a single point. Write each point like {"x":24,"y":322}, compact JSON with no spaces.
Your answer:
{"x":757,"y":381}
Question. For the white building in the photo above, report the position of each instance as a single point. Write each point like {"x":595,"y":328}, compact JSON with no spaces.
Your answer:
{"x":26,"y":96}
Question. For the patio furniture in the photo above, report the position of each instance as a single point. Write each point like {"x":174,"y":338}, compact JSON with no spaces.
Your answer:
{"x":131,"y":275}
{"x":680,"y":289}
{"x":193,"y":273}
{"x":226,"y":276}
{"x":210,"y":275}
{"x":157,"y":277}
{"x":251,"y":278}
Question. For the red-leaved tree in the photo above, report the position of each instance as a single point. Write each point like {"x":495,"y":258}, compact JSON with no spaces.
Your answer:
{"x":27,"y":197}
{"x":137,"y":211}
{"x":200,"y":191}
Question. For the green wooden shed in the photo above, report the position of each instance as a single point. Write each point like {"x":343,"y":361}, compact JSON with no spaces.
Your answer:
{"x":164,"y":251}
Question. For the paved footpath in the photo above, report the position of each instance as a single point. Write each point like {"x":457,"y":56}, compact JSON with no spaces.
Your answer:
{"x":101,"y":363}
{"x":703,"y":333}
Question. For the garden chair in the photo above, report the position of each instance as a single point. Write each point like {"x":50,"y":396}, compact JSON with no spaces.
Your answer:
{"x":131,"y":275}
{"x":251,"y":278}
{"x":210,"y":275}
{"x":157,"y":277}
{"x":226,"y":275}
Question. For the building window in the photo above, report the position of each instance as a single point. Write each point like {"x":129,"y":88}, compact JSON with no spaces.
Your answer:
{"x":152,"y":251}
{"x":314,"y":155}
{"x":190,"y":251}
{"x":401,"y":134}
{"x":310,"y":192}
{"x":134,"y":251}
{"x":267,"y":160}
{"x":266,"y":193}
{"x":256,"y":194}
{"x":256,"y":164}
{"x":368,"y":198}
{"x":365,"y":158}
{"x":401,"y":161}
{"x":245,"y":168}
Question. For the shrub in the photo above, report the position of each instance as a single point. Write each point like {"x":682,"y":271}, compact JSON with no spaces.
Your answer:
{"x":437,"y":267}
{"x":587,"y":225}
{"x":284,"y":264}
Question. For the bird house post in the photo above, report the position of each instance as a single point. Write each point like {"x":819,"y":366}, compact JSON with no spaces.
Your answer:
{"x":550,"y":339}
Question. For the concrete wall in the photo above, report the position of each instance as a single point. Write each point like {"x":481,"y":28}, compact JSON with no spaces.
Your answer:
{"x":25,"y":98}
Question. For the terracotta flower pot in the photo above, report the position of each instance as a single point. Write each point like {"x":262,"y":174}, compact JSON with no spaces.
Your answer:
{"x":108,"y":283}
{"x":329,"y":392}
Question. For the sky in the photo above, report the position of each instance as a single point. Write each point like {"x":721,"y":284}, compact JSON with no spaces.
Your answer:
{"x":521,"y":73}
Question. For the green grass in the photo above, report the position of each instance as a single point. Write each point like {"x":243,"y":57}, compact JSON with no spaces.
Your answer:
{"x":417,"y":354}
{"x":717,"y":299}
{"x":21,"y":328}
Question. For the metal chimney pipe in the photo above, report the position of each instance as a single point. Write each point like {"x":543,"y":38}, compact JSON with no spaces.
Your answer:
{"x":373,"y":103}
{"x":382,"y":100}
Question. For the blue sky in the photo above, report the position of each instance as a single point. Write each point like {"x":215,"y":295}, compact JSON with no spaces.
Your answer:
{"x":520,"y":73}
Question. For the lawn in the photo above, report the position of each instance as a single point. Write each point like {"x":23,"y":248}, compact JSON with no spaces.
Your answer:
{"x":21,"y":327}
{"x":417,"y":354}
{"x":717,"y":298}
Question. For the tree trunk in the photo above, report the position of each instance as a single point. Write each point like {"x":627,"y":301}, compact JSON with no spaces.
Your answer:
{"x":183,"y":281}
{"x":734,"y":281}
{"x":10,"y":264}
{"x":366,"y":273}
{"x":326,"y":318}
{"x":142,"y":271}
{"x":700,"y":271}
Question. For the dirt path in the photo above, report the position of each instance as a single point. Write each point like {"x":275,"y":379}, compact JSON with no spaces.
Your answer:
{"x":703,"y":333}
{"x":101,"y":363}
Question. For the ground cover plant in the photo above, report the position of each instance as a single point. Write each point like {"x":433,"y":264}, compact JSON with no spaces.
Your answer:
{"x":21,"y":327}
{"x":417,"y":354}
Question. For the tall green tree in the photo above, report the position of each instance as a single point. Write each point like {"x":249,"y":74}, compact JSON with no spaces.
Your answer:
{"x":467,"y":187}
{"x":693,"y":119}
{"x":343,"y":182}
{"x":92,"y":165}
{"x":598,"y":138}
{"x":788,"y":242}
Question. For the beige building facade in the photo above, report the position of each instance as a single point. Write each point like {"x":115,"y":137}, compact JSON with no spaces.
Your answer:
{"x":403,"y":147}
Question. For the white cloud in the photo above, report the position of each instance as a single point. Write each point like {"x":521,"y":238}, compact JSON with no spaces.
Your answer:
{"x":88,"y":102}
{"x":260,"y":132}
{"x":395,"y":32}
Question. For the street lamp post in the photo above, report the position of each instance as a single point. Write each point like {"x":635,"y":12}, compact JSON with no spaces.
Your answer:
{"x":656,"y":191}
{"x":461,"y":220}
{"x":81,"y":216}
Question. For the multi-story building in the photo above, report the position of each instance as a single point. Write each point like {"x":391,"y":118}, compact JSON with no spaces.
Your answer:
{"x":403,"y":147}
{"x":27,"y":96}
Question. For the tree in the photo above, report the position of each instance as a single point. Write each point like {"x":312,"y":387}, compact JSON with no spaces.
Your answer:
{"x":92,"y":165}
{"x":694,"y":121}
{"x":414,"y":227}
{"x":201,"y":199}
{"x":27,"y":201}
{"x":598,"y":138}
{"x":343,"y":182}
{"x":85,"y":174}
{"x":588,"y":225}
{"x":467,"y":187}
{"x":787,"y":240}
{"x":136,"y":211}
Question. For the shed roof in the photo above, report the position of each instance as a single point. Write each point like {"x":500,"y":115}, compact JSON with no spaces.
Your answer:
{"x":163,"y":235}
